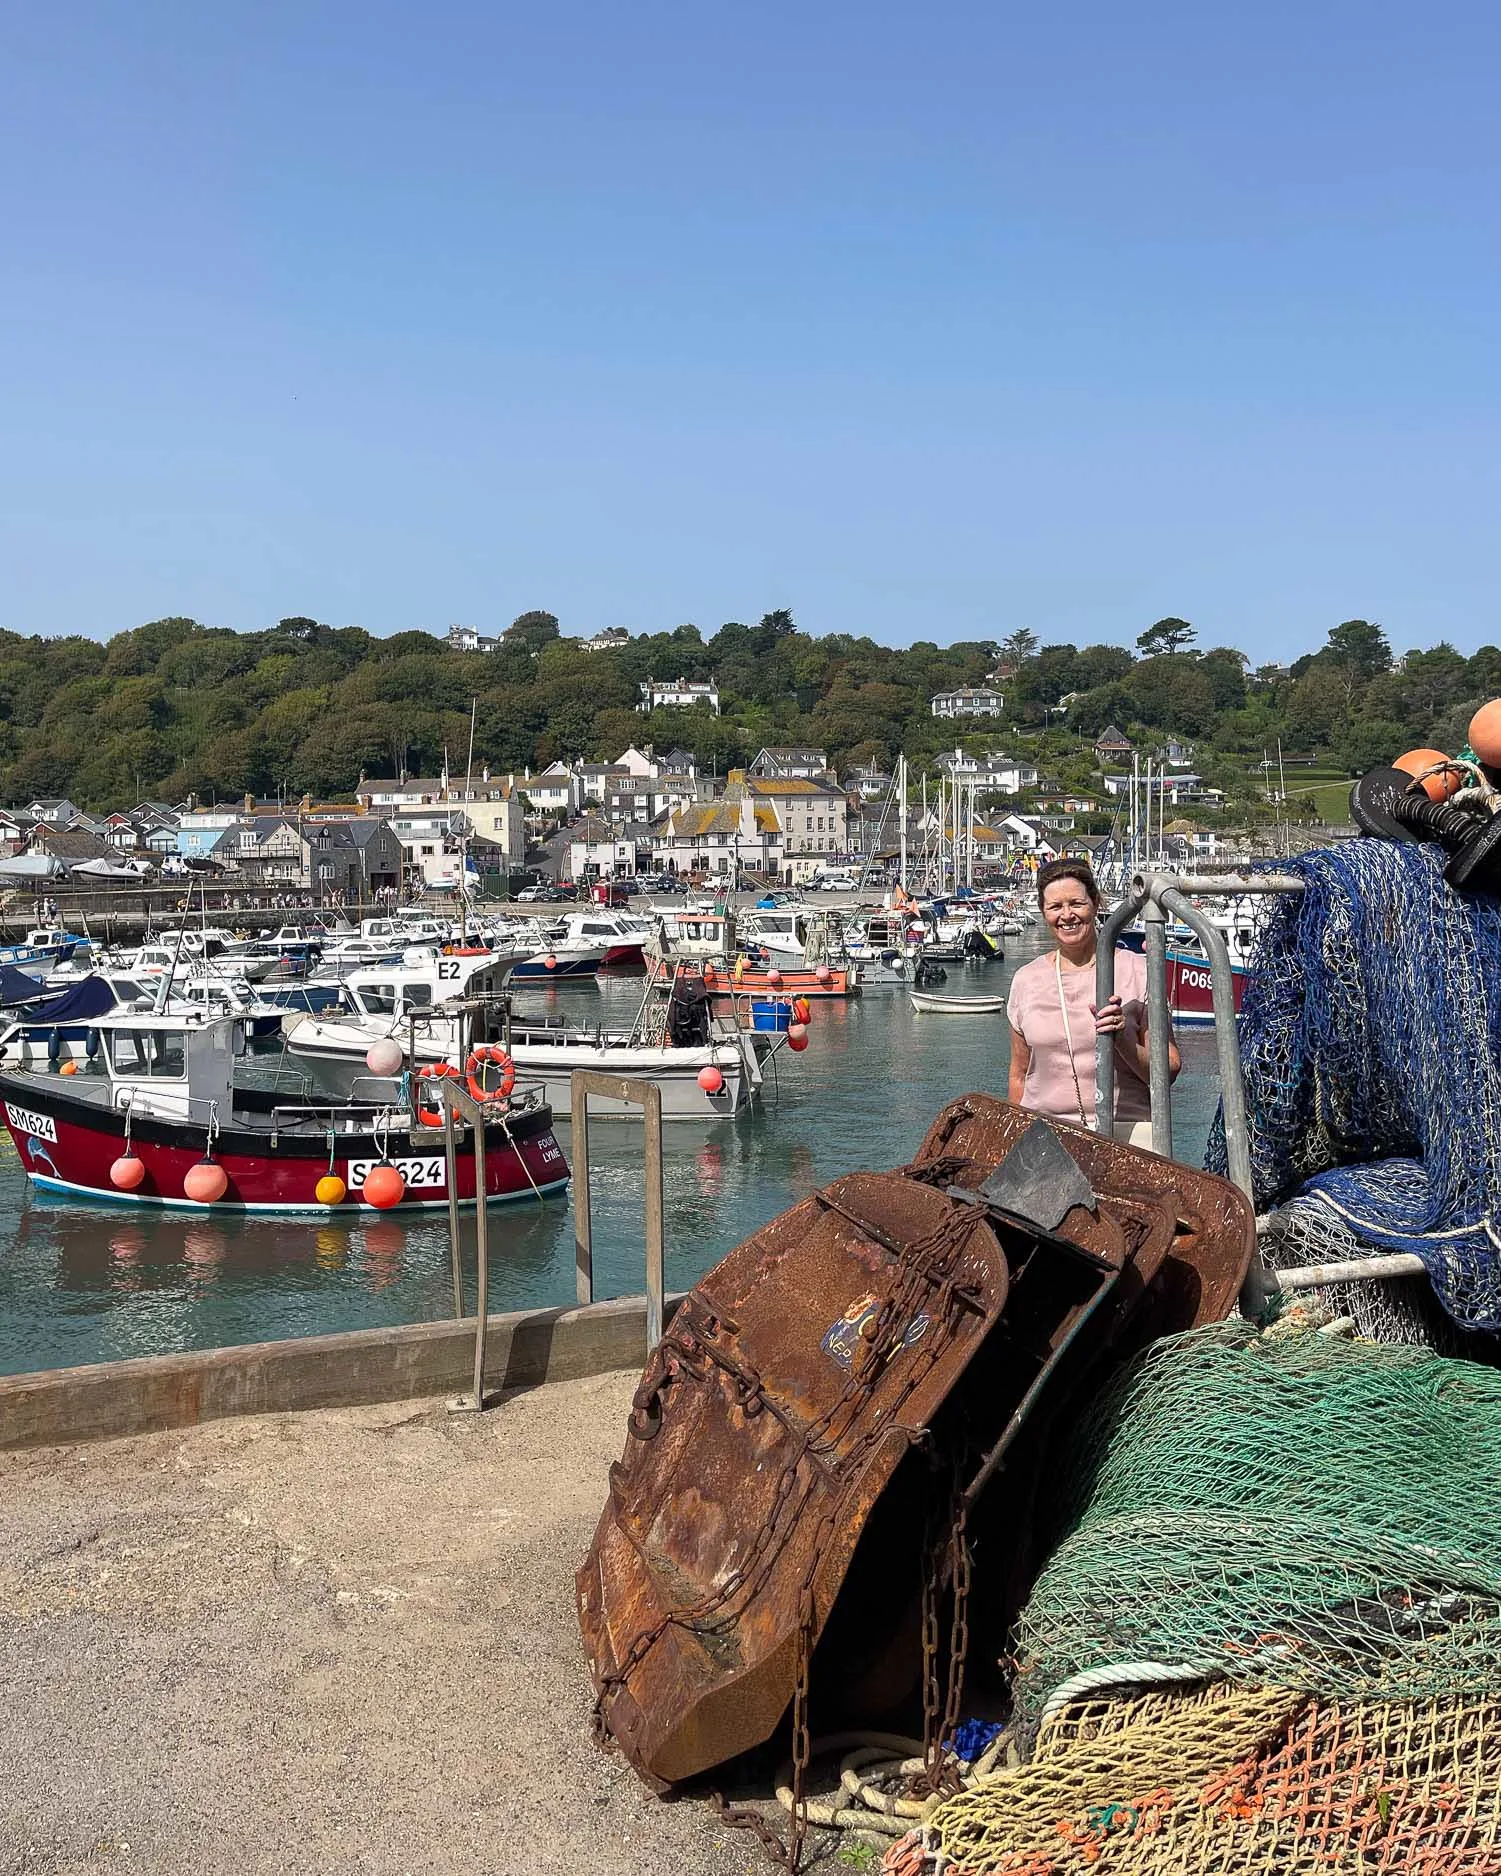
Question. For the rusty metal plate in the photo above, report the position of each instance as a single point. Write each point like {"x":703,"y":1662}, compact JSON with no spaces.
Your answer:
{"x":785,"y":1393}
{"x":1199,"y":1275}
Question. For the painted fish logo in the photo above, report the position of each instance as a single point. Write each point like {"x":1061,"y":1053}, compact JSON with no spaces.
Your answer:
{"x":40,"y":1158}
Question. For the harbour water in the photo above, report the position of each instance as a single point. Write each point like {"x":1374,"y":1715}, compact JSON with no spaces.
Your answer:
{"x":83,"y":1283}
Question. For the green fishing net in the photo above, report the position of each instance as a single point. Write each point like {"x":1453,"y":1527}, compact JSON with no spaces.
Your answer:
{"x":1286,"y":1508}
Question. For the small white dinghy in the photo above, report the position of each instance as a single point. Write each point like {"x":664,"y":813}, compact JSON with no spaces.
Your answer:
{"x":926,"y":1005}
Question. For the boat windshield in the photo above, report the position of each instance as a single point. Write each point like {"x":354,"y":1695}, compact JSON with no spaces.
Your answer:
{"x":148,"y":1052}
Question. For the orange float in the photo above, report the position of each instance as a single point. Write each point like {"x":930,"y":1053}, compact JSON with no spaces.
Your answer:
{"x":384,"y":1187}
{"x":1436,"y":787}
{"x":1485,"y":733}
{"x":205,"y":1183}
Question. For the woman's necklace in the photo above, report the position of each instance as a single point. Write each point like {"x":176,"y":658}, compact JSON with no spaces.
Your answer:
{"x":1068,"y":1036}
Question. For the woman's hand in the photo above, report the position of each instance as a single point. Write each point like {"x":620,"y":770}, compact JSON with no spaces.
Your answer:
{"x":1109,"y":1018}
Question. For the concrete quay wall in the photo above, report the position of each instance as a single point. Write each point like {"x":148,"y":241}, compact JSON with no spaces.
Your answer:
{"x":410,"y":1361}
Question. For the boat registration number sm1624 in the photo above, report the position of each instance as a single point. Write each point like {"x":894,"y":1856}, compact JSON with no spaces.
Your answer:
{"x":418,"y":1173}
{"x":39,"y":1126}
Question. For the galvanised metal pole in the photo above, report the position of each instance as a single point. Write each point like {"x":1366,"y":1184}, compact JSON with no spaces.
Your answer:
{"x":1159,"y":1030}
{"x":1104,"y":989}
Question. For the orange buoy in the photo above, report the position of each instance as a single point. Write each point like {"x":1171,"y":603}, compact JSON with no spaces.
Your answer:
{"x":384,"y":1187}
{"x":127,"y":1172}
{"x":68,"y":1068}
{"x":1485,"y":733}
{"x":205,"y":1183}
{"x":802,"y":1010}
{"x":709,"y":974}
{"x":797,"y":1037}
{"x":330,"y":1190}
{"x":710,"y":1079}
{"x":1436,"y":787}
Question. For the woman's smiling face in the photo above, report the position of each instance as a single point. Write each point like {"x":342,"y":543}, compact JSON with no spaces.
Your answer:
{"x":1069,"y":911}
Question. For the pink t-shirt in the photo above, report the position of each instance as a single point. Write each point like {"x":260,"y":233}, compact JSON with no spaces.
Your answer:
{"x":1032,"y":1007}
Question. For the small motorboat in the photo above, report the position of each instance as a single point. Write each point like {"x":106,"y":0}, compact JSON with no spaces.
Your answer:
{"x":927,"y":1005}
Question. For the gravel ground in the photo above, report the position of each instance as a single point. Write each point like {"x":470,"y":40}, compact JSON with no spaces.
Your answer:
{"x":338,"y":1641}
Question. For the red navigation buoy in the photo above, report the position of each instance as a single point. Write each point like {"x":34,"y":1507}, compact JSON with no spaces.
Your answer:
{"x":384,"y":1187}
{"x":710,"y":1079}
{"x":127,"y":1172}
{"x":797,"y":1037}
{"x":1436,"y":787}
{"x":205,"y":1183}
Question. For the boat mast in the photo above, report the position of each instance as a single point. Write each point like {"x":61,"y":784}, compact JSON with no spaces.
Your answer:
{"x":901,"y":769}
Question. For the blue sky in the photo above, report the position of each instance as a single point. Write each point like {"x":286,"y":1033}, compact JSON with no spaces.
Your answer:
{"x":925,"y":322}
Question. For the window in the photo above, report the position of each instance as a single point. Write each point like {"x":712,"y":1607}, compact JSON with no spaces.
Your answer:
{"x":417,"y":997}
{"x":149,"y":1052}
{"x":378,"y":999}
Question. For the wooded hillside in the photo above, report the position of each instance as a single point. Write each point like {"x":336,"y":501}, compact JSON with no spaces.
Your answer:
{"x":175,"y":706}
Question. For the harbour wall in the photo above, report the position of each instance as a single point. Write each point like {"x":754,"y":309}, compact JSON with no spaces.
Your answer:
{"x":526,"y":1348}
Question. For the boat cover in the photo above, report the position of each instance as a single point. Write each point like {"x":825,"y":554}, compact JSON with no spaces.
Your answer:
{"x":78,"y":1004}
{"x":16,"y":987}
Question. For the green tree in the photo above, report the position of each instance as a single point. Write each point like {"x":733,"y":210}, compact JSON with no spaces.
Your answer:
{"x":1019,"y":646}
{"x":1360,"y":646}
{"x":531,"y":630}
{"x":1167,"y":635}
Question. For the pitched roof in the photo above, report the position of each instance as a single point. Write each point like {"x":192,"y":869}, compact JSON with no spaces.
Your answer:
{"x":67,"y":843}
{"x":704,"y":818}
{"x":1110,"y":734}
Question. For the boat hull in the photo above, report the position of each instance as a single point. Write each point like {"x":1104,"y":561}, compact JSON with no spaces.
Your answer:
{"x":1190,"y":988}
{"x":804,"y":983}
{"x":68,"y":1145}
{"x":551,"y":1067}
{"x":561,"y":967}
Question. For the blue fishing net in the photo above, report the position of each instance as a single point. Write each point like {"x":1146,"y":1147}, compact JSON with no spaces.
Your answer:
{"x":1370,"y":1042}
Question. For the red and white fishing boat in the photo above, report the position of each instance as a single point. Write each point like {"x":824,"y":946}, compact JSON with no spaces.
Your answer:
{"x":155,"y":1118}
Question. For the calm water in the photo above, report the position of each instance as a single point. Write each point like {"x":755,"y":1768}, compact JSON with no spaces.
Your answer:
{"x":85,"y":1284}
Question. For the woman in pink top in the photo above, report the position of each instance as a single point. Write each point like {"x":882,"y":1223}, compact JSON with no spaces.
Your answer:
{"x":1054,"y":1021}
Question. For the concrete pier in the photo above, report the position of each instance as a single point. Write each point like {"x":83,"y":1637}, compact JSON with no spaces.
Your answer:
{"x":336,"y":1641}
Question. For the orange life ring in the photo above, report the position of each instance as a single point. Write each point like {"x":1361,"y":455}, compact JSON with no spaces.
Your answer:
{"x":465,"y":951}
{"x":489,"y":1055}
{"x":432,"y":1071}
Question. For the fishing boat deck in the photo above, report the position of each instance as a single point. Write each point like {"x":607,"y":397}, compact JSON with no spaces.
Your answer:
{"x":324,"y":1641}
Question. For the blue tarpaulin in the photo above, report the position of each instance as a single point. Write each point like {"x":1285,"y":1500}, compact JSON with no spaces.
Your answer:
{"x":83,"y":1000}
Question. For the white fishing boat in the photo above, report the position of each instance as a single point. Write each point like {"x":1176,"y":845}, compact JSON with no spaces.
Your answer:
{"x":425,"y":1008}
{"x":926,"y":1004}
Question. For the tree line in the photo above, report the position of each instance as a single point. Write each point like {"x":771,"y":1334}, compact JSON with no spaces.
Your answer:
{"x":175,"y":706}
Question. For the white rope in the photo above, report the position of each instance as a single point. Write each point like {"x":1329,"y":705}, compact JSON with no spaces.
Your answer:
{"x":1123,"y":1674}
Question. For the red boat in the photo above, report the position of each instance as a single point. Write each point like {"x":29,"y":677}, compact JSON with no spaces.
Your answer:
{"x":1190,"y":987}
{"x":155,"y":1119}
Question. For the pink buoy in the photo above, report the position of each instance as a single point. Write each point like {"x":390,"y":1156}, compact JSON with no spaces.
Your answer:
{"x":383,"y":1057}
{"x":797,"y":1037}
{"x":824,"y":974}
{"x":205,"y":1183}
{"x":710,"y":1079}
{"x":774,"y":977}
{"x":550,"y":962}
{"x":127,"y":1172}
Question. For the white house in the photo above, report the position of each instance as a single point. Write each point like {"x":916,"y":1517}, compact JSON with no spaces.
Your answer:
{"x":970,"y":700}
{"x":466,"y":638}
{"x":992,"y":773}
{"x":611,"y":639}
{"x":720,"y":839}
{"x":553,"y":790}
{"x":680,"y":693}
{"x":491,"y":804}
{"x":790,"y":765}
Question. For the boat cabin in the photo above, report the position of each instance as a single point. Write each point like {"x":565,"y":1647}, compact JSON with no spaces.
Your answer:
{"x":177,"y":1067}
{"x":699,"y":935}
{"x":406,"y":990}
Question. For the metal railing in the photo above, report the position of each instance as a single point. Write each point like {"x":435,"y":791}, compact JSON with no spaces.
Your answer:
{"x":646,"y":1095}
{"x":457,"y":1101}
{"x":1155,"y":897}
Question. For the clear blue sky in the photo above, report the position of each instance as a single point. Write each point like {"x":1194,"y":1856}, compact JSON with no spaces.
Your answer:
{"x":923,"y":321}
